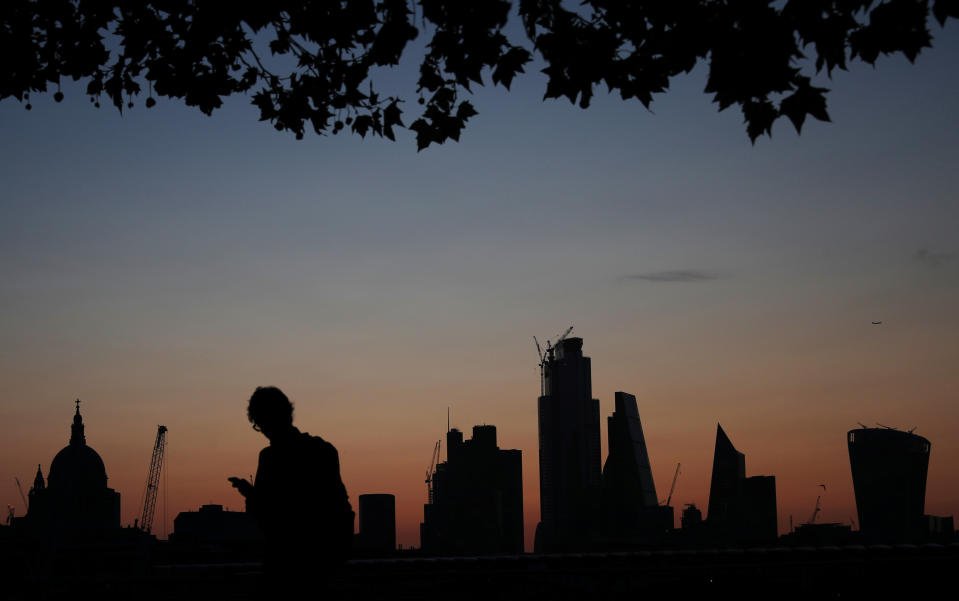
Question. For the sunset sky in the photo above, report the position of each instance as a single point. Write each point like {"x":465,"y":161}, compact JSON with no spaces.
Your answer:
{"x":161,"y":264}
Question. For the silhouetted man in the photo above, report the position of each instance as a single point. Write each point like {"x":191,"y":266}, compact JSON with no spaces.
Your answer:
{"x":298,"y":498}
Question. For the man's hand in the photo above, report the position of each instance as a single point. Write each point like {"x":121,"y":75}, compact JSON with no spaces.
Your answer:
{"x":241,"y":484}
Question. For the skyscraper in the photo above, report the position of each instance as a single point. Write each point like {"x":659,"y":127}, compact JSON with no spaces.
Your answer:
{"x":741,"y":510}
{"x":569,"y":451}
{"x":889,"y":469}
{"x":631,"y":511}
{"x":725,"y":487}
{"x":477,"y":502}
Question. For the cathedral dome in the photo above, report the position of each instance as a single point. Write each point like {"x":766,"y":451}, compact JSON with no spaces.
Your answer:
{"x":77,"y":466}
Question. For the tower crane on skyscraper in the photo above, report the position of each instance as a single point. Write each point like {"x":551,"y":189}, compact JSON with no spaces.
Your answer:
{"x":540,"y":354}
{"x":542,"y":366}
{"x":153,"y":481}
{"x":563,"y":336}
{"x":431,"y":471}
{"x":544,"y":357}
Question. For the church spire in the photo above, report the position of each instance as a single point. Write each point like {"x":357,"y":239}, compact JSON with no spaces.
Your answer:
{"x":38,"y":483}
{"x":76,"y":431}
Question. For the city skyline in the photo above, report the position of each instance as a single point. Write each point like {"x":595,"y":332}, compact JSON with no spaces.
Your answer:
{"x":700,"y":500}
{"x":162,"y":264}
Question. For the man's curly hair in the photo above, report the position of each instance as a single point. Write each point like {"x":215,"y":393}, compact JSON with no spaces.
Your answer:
{"x":269,"y":404}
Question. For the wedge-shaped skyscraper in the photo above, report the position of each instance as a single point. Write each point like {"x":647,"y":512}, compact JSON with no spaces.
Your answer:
{"x":627,"y":467}
{"x":741,"y":510}
{"x":631,"y":512}
{"x":725,"y":487}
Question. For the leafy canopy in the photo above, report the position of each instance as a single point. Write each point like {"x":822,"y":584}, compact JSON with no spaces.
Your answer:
{"x":760,"y":54}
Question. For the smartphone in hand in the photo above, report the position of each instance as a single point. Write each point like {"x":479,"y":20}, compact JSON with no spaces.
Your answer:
{"x":242,"y":485}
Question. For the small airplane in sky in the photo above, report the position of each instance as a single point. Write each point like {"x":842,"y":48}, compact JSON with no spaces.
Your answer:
{"x":876,"y":323}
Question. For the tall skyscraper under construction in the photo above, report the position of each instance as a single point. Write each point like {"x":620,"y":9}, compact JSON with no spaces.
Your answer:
{"x":889,"y":469}
{"x":569,"y":450}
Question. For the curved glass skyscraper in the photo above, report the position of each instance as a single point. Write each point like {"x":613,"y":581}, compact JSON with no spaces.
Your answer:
{"x":889,"y":469}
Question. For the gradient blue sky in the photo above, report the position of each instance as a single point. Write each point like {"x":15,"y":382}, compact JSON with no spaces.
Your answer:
{"x":161,"y":264}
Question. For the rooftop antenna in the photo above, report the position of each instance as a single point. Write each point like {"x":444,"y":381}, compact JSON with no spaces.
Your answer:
{"x":885,"y":426}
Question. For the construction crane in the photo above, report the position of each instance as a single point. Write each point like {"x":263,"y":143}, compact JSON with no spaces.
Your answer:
{"x":542,"y":367}
{"x":673,"y":487}
{"x":153,"y":481}
{"x":22,"y":496}
{"x":816,"y":511}
{"x":564,"y":335}
{"x":539,"y":352}
{"x":431,"y":471}
{"x":545,"y":356}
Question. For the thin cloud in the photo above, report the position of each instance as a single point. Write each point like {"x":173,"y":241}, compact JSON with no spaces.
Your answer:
{"x":932,"y":258}
{"x":675,"y":275}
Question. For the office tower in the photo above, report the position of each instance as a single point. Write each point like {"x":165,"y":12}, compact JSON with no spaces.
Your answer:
{"x":377,"y":523}
{"x":725,"y":487}
{"x":741,"y":510}
{"x":569,"y":451}
{"x":75,"y":497}
{"x":477,"y":498}
{"x":631,"y":513}
{"x":759,"y":516}
{"x":889,"y":469}
{"x":627,"y":467}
